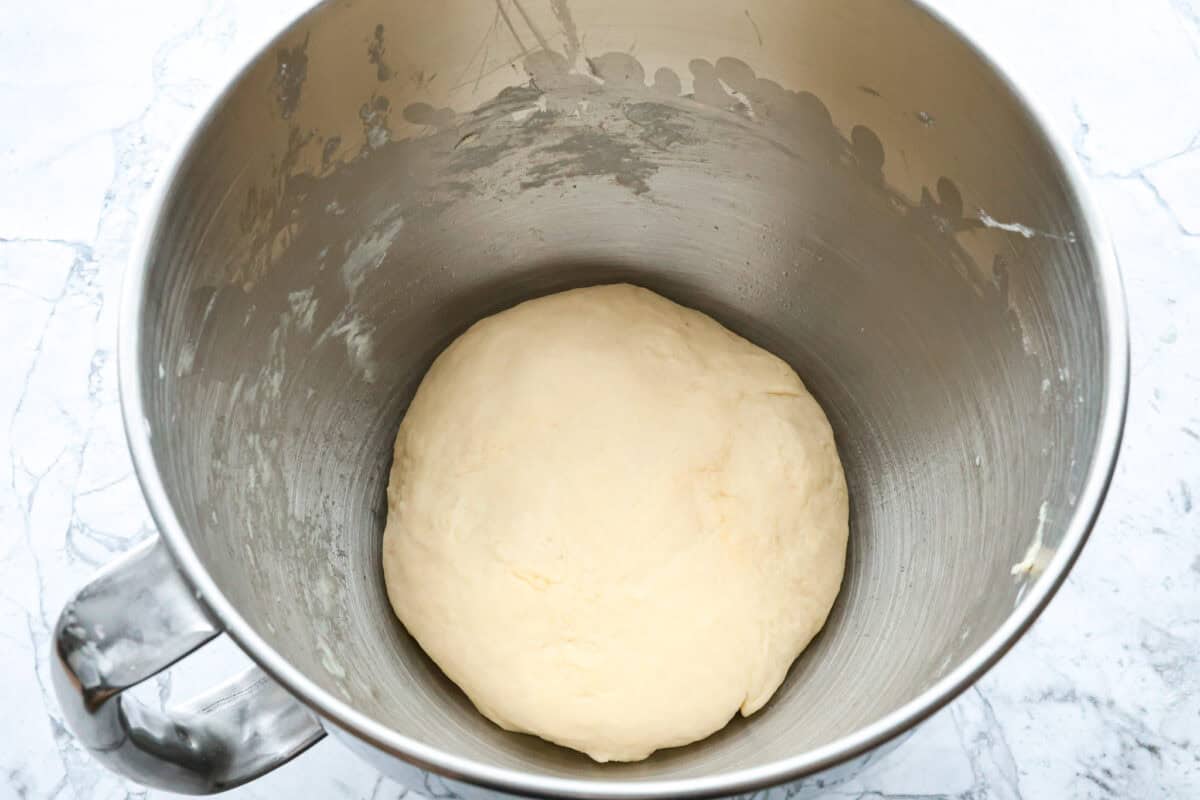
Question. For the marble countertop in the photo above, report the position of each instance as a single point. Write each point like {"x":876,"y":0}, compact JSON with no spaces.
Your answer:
{"x":1101,"y":699}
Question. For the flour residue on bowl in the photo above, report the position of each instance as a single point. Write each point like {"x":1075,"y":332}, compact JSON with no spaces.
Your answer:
{"x":1038,"y":554}
{"x":1024,"y":230}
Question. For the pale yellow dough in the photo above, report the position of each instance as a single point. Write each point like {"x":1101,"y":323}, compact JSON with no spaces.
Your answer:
{"x":612,"y":521}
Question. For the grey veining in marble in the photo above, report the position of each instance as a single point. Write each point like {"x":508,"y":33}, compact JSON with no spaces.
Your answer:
{"x":1101,"y":699}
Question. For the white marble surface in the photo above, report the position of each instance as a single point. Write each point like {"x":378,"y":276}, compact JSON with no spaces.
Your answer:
{"x":1100,"y":700}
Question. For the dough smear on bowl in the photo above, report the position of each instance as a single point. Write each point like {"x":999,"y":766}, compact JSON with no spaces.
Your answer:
{"x":613,"y":522}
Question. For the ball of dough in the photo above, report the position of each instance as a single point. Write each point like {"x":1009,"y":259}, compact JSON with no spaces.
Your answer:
{"x":613,"y":522}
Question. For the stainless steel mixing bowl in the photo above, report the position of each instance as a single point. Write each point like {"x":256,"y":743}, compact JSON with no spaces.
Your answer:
{"x":852,"y":185}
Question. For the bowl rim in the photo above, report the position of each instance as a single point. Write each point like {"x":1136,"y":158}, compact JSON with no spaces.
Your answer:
{"x":1114,"y":324}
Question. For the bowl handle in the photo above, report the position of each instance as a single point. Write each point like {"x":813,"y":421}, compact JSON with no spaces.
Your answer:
{"x":135,"y":619}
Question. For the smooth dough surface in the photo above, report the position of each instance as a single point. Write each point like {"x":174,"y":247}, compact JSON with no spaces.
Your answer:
{"x":613,"y":522}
